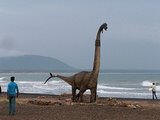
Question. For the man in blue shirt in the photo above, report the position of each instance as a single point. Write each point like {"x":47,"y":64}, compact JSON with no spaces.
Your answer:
{"x":12,"y":92}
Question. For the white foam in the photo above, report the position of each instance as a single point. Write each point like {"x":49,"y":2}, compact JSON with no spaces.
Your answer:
{"x":29,"y":82}
{"x":55,"y":87}
{"x":2,"y":78}
{"x":54,"y":82}
{"x":102,"y":91}
{"x":146,"y":83}
{"x":157,"y":88}
{"x":43,"y":87}
{"x":115,"y":88}
{"x":127,"y":93}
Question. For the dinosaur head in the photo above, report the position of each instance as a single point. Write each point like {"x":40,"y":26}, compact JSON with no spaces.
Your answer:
{"x":103,"y":27}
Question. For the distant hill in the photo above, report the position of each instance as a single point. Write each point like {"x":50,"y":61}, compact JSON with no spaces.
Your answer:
{"x":32,"y":63}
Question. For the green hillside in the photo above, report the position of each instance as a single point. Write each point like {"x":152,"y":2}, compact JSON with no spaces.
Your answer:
{"x":31,"y":63}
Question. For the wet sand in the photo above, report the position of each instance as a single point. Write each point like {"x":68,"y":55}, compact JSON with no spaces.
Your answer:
{"x":53,"y":107}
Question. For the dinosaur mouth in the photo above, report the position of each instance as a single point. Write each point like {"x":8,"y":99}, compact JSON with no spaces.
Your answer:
{"x":106,"y":28}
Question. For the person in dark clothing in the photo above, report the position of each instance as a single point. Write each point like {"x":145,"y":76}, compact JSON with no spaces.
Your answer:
{"x":0,"y":90}
{"x":12,"y":92}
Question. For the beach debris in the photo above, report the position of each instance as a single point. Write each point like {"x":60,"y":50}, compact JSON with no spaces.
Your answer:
{"x":44,"y":102}
{"x":40,"y":97}
{"x":134,"y":106}
{"x":65,"y":95}
{"x":119,"y":103}
{"x":41,"y":100}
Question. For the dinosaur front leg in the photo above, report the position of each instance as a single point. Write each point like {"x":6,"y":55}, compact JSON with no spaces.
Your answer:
{"x":73,"y":93}
{"x":93,"y":95}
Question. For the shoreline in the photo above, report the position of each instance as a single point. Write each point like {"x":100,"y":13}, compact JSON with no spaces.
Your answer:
{"x":53,"y":95}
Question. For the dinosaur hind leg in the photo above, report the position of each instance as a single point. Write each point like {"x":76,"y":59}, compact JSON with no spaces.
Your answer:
{"x":73,"y":93}
{"x":80,"y":95}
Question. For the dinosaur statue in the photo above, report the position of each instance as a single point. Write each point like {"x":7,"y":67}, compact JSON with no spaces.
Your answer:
{"x":86,"y":79}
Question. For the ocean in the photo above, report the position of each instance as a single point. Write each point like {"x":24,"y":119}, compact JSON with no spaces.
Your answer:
{"x":122,"y":85}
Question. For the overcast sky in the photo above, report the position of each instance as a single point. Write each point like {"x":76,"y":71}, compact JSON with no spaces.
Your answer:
{"x":66,"y":30}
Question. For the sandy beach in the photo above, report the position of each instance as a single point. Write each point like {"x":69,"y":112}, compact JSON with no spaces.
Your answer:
{"x":53,"y":107}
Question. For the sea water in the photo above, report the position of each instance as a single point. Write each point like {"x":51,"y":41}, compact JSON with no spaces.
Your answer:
{"x":123,"y":85}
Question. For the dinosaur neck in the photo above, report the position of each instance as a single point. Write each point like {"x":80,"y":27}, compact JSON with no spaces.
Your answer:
{"x":96,"y":64}
{"x":66,"y":79}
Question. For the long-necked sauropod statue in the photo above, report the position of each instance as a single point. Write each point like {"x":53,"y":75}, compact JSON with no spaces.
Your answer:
{"x":85,"y":79}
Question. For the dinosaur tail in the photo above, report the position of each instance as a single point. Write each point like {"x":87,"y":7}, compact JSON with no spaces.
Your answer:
{"x":51,"y":76}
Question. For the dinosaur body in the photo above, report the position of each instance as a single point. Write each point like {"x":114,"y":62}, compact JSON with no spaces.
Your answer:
{"x":86,"y":79}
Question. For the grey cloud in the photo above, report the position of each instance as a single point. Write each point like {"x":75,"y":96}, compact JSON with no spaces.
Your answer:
{"x":66,"y":30}
{"x":7,"y":42}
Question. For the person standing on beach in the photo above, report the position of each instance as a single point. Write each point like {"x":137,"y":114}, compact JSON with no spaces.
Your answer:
{"x":12,"y":92}
{"x":0,"y":90}
{"x":153,"y":89}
